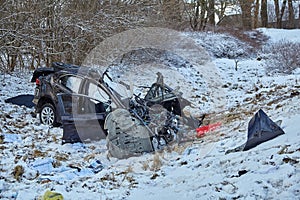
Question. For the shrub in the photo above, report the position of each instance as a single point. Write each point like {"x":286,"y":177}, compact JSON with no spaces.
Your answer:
{"x":222,"y":45}
{"x":282,"y":57}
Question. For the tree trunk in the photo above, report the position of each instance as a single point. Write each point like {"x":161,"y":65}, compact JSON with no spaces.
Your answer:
{"x":12,"y":62}
{"x":211,"y":12}
{"x":256,"y":18}
{"x":172,"y":13}
{"x":246,"y":14}
{"x":283,"y":6}
{"x":277,"y":12}
{"x":198,"y":15}
{"x":203,"y":12}
{"x":194,"y":18}
{"x":221,"y":10}
{"x":264,"y":13}
{"x":291,"y":23}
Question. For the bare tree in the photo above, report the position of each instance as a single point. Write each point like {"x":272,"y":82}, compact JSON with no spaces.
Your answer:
{"x":197,"y":12}
{"x":222,"y":7}
{"x":172,"y":12}
{"x":283,"y":6}
{"x":38,"y":32}
{"x":264,"y":13}
{"x":277,"y":12}
{"x":291,"y":22}
{"x":211,"y":12}
{"x":256,"y":17}
{"x":246,"y":6}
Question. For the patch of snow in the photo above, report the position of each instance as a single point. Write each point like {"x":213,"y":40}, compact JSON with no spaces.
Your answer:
{"x":277,"y":35}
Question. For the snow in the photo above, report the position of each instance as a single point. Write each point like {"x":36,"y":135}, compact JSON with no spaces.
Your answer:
{"x":277,"y":35}
{"x":199,"y":169}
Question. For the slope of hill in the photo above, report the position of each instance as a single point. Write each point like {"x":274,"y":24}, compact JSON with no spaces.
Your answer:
{"x":33,"y":159}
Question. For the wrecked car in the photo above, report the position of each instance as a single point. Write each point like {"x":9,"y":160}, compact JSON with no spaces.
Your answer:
{"x":65,"y":79}
{"x":88,"y":107}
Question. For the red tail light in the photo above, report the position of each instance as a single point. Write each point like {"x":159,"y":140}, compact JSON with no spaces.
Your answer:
{"x":37,"y":81}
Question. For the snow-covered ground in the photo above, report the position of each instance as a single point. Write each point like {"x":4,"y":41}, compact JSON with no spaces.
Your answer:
{"x":33,"y":159}
{"x":281,"y":34}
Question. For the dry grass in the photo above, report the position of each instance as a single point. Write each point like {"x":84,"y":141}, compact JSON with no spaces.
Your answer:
{"x":283,"y":150}
{"x":1,"y":138}
{"x":145,"y":165}
{"x":17,"y":158}
{"x":129,"y":169}
{"x":156,"y":163}
{"x":62,"y":157}
{"x":180,"y":148}
{"x":89,"y":157}
{"x":54,"y":139}
{"x":25,"y":157}
{"x":254,"y":38}
{"x":18,"y":172}
{"x":56,"y":164}
{"x":38,"y":153}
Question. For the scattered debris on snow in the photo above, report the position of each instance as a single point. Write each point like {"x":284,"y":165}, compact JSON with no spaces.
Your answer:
{"x":33,"y":160}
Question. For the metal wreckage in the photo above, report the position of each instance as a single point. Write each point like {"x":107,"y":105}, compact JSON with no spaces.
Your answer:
{"x":89,"y":106}
{"x":150,"y":123}
{"x":131,"y":126}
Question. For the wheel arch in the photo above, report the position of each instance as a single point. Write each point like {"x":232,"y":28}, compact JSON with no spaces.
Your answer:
{"x":43,"y":101}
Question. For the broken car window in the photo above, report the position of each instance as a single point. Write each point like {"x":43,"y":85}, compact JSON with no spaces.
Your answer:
{"x":71,"y":82}
{"x":97,"y":93}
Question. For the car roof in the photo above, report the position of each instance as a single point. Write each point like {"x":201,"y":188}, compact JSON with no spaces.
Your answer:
{"x":87,"y":72}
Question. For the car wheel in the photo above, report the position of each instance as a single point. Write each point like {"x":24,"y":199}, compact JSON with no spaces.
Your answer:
{"x":47,"y":115}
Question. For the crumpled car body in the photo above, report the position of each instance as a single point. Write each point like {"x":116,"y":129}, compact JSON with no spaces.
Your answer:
{"x":131,"y":126}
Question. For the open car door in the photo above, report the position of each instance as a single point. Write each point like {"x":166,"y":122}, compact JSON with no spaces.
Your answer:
{"x":82,"y":117}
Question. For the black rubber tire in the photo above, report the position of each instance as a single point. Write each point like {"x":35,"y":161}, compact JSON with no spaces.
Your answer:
{"x":48,"y":115}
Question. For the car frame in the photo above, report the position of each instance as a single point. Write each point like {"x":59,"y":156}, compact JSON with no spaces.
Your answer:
{"x":88,"y":108}
{"x":60,"y":78}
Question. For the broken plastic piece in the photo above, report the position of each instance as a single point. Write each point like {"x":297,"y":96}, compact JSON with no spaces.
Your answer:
{"x":204,"y":129}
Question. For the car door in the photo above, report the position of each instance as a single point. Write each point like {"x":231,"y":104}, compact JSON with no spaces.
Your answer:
{"x":83,"y":115}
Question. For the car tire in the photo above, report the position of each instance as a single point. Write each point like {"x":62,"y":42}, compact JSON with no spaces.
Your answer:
{"x":48,"y":115}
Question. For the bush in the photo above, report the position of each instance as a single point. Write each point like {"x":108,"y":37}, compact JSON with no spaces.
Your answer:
{"x":222,"y":45}
{"x":282,"y":57}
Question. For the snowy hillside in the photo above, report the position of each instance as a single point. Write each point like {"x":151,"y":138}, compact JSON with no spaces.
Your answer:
{"x":34,"y":161}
